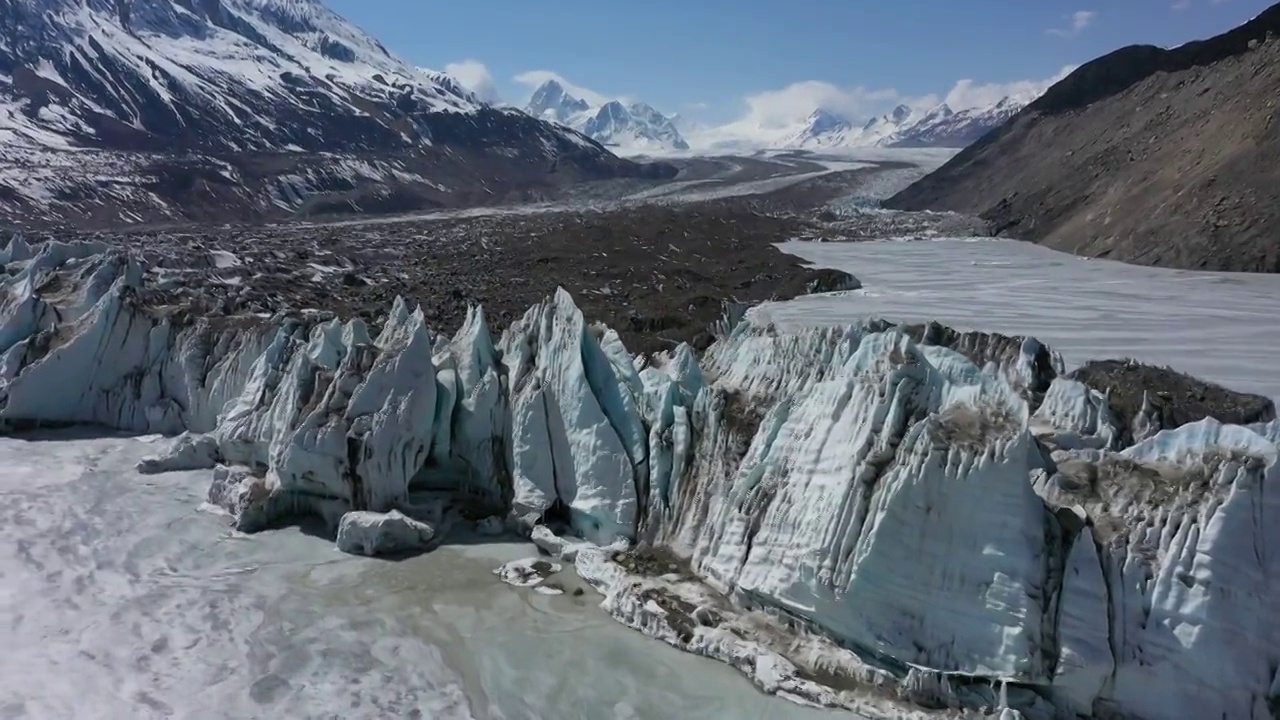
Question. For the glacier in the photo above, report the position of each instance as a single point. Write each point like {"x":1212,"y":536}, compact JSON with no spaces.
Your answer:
{"x":852,"y":516}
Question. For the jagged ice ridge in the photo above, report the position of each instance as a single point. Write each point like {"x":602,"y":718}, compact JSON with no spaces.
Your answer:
{"x":950,"y":525}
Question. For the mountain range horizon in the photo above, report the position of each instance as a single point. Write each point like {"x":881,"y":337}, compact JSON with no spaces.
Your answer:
{"x":633,"y":126}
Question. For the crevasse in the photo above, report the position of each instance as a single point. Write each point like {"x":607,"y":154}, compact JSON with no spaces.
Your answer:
{"x":943,"y":518}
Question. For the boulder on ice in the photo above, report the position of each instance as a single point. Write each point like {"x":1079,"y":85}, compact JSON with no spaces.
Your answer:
{"x":389,"y":533}
{"x":528,"y":572}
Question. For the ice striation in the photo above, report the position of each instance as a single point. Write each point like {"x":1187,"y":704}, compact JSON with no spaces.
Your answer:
{"x":851,"y":516}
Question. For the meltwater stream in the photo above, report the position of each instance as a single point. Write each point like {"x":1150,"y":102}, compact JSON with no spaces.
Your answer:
{"x":121,"y":599}
{"x":1223,"y":327}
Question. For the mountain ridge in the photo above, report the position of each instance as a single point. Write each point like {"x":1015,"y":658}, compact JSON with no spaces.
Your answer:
{"x":629,"y":125}
{"x":1156,"y":156}
{"x":200,"y":108}
{"x":904,"y":126}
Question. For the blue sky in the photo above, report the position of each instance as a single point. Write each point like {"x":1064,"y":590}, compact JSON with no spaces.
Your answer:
{"x":719,"y":60}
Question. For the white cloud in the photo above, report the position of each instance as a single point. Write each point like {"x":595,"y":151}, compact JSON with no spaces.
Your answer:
{"x":534,"y":78}
{"x":771,"y":116}
{"x":967,"y":94}
{"x":475,"y":77}
{"x":791,"y":105}
{"x":1182,"y":4}
{"x":775,"y":109}
{"x":774,"y":115}
{"x":1076,"y":23}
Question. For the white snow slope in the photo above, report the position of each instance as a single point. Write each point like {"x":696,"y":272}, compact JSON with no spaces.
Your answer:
{"x":632,"y":127}
{"x":894,"y":498}
{"x":93,"y":72}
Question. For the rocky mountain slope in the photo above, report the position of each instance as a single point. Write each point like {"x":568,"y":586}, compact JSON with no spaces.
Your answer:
{"x":951,"y":520}
{"x":631,"y":127}
{"x":195,"y":109}
{"x":905,"y":126}
{"x":1147,"y":155}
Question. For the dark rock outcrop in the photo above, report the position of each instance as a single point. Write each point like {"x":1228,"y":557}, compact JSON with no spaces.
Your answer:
{"x":1171,"y":399}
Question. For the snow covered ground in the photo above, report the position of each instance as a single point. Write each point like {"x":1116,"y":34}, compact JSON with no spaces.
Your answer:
{"x":122,"y":599}
{"x":1224,"y":327}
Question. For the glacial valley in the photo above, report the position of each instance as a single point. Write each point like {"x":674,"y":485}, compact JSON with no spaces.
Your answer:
{"x":790,"y":501}
{"x":333,"y":386}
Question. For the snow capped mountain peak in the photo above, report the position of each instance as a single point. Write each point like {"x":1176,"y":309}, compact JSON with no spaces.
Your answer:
{"x":613,"y":110}
{"x":552,"y":102}
{"x":448,"y":83}
{"x":823,"y":128}
{"x":942,"y":111}
{"x":212,"y":74}
{"x":1011,"y":103}
{"x":825,"y":121}
{"x":904,"y":126}
{"x":647,"y":111}
{"x":828,"y":128}
{"x":886,"y":123}
{"x":631,"y":127}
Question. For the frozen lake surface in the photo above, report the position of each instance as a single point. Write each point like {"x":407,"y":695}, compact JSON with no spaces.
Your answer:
{"x":1224,"y":327}
{"x":121,"y":599}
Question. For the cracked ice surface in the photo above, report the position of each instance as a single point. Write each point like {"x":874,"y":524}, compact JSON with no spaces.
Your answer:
{"x":944,"y":513}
